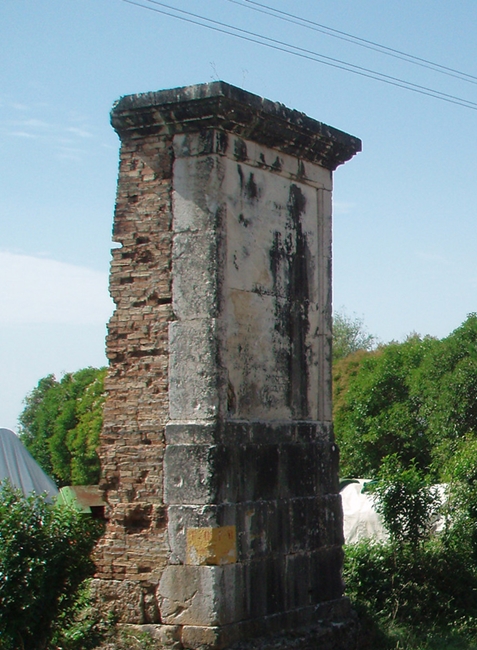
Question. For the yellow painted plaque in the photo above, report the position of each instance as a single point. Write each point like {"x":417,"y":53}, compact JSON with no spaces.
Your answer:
{"x":211,"y":545}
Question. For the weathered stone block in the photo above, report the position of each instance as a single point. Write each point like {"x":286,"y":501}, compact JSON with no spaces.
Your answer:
{"x":191,"y":433}
{"x":183,"y":517}
{"x":123,"y":598}
{"x":194,"y":636}
{"x":194,"y":256}
{"x":166,"y":636}
{"x":193,"y":372}
{"x":197,"y":194}
{"x":189,"y":474}
{"x":211,"y":545}
{"x":201,"y":595}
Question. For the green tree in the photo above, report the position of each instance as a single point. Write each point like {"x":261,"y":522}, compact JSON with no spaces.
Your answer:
{"x":376,"y":409}
{"x":44,"y":559}
{"x":350,"y":335}
{"x":417,"y":399}
{"x":61,"y":423}
{"x":447,"y":385}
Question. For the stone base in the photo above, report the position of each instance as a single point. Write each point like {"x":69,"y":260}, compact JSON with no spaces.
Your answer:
{"x":331,"y":626}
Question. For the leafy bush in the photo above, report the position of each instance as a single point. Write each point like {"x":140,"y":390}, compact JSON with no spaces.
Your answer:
{"x":425,"y":587}
{"x":405,"y":501}
{"x":44,"y":559}
{"x":416,"y":584}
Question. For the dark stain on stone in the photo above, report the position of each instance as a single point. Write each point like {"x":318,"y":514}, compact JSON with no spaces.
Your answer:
{"x":245,"y":222}
{"x":240,"y":150}
{"x":206,"y":141}
{"x":160,"y":518}
{"x":289,"y":263}
{"x":301,"y":171}
{"x":277,"y":165}
{"x":251,"y":188}
{"x":137,"y":518}
{"x":249,"y":393}
{"x":222,"y":142}
{"x":248,"y":187}
{"x":231,"y":399}
{"x":241,"y":177}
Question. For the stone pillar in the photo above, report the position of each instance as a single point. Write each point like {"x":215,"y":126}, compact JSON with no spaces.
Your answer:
{"x":219,"y":464}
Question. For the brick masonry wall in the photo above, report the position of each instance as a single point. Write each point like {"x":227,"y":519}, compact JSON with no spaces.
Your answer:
{"x":134,"y":549}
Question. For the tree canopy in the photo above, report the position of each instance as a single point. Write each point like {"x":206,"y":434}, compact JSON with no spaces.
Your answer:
{"x":350,"y":335}
{"x":61,"y":423}
{"x":416,"y":399}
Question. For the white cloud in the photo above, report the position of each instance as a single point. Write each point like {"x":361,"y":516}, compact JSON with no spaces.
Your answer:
{"x":23,"y":134}
{"x":38,"y":290}
{"x":36,"y":124}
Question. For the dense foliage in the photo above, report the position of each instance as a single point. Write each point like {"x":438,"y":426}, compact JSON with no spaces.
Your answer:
{"x":406,"y":415}
{"x":408,"y":505}
{"x":418,"y":586}
{"x":416,"y":399}
{"x":61,"y":423}
{"x":44,"y":559}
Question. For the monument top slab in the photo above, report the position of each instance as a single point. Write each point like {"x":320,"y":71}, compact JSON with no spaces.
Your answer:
{"x":219,"y":105}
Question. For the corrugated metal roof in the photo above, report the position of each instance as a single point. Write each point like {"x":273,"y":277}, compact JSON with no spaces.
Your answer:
{"x":21,"y":469}
{"x":83,"y":497}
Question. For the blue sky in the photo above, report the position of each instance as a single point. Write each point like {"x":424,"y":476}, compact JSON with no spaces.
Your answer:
{"x":405,"y":223}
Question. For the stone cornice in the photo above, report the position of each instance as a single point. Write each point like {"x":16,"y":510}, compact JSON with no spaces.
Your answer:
{"x":219,"y":105}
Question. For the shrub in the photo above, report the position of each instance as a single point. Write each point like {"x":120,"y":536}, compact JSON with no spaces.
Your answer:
{"x":424,"y":588}
{"x":44,"y":559}
{"x":407,"y":504}
{"x":416,"y":585}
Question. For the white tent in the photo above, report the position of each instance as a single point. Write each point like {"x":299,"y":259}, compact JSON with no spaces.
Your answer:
{"x":360,"y":519}
{"x":21,"y":469}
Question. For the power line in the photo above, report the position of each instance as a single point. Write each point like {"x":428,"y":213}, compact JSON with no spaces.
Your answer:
{"x":304,"y":53}
{"x":356,"y":40}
